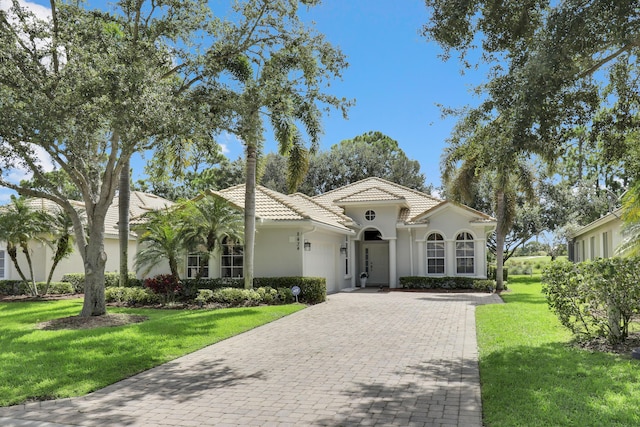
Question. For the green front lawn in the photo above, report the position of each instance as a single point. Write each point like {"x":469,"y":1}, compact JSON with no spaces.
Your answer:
{"x":532,"y":376}
{"x":38,"y":364}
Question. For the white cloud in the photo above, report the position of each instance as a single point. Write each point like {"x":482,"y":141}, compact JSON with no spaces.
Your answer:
{"x":18,"y":174}
{"x":224,"y":149}
{"x":40,"y":11}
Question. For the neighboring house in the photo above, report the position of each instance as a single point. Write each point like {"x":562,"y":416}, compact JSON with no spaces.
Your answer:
{"x":42,"y":254}
{"x":599,"y":239}
{"x":372,"y":226}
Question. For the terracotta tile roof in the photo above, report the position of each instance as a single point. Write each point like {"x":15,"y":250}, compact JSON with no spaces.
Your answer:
{"x":370,"y":194}
{"x":378,"y":189}
{"x":271,"y":205}
{"x":140,"y":203}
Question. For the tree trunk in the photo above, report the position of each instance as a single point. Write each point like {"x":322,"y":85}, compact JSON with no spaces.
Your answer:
{"x":61,"y":251}
{"x":95,"y":259}
{"x":250,"y":215}
{"x":32,"y":282}
{"x":13,"y":254}
{"x":123,"y":222}
{"x":500,"y":235}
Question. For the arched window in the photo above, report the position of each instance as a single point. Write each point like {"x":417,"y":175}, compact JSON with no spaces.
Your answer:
{"x":435,"y":254}
{"x":465,"y":253}
{"x":232,"y":259}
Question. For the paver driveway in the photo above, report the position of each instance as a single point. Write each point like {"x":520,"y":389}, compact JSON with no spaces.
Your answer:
{"x":361,"y":358}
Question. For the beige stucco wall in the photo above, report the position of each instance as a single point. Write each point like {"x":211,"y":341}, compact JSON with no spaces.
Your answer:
{"x":42,"y":254}
{"x":592,"y":244}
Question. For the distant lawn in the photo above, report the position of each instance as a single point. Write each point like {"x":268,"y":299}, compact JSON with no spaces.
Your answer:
{"x":531,"y":376}
{"x":38,"y":364}
{"x":528,"y":264}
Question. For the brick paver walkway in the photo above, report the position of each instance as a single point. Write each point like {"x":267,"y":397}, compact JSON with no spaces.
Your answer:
{"x":361,"y":358}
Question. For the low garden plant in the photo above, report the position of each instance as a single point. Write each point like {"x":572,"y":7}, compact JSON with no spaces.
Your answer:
{"x":48,"y":364}
{"x":532,"y":375}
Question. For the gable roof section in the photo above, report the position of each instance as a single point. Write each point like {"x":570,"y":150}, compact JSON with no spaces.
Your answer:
{"x":480,"y":217}
{"x":376,"y":194}
{"x":413,"y":202}
{"x":275,"y":206}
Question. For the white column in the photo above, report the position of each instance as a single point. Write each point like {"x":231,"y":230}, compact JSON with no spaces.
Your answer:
{"x":352,"y":261}
{"x":421,"y":259}
{"x":393,"y":279}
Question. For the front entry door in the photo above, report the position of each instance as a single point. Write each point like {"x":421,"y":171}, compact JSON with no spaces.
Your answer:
{"x":375,"y":261}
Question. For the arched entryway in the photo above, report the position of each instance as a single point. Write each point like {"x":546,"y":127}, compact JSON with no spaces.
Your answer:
{"x":374,"y":257}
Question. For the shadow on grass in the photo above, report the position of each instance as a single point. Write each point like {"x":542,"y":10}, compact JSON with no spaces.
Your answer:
{"x":72,"y":362}
{"x":555,"y":384}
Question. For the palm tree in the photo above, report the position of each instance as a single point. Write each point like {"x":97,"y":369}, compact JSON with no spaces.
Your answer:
{"x":61,"y":228}
{"x":20,"y":224}
{"x":162,"y":240}
{"x":478,"y":151}
{"x":208,"y":221}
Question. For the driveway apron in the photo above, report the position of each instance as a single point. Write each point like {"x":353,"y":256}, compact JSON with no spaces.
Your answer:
{"x":361,"y":358}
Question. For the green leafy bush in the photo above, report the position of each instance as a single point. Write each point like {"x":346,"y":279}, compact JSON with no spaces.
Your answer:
{"x":285,"y":296}
{"x":110,"y":279}
{"x":313,"y":290}
{"x":421,"y":282}
{"x":236,"y":297}
{"x":130,"y":295}
{"x":13,"y":287}
{"x":57,"y":287}
{"x":594,"y":298}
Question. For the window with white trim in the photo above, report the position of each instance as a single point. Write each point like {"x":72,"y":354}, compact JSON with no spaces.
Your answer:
{"x":232,"y":259}
{"x":197,"y":265}
{"x":605,"y":245}
{"x":465,"y":253}
{"x":435,"y":254}
{"x":2,"y":264}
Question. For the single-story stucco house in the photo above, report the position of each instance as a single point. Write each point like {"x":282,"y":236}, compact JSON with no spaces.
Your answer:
{"x":372,"y":226}
{"x":599,"y":239}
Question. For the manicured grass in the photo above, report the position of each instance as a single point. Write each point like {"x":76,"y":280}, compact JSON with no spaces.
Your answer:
{"x":528,"y":264}
{"x":531,"y":376}
{"x":38,"y":364}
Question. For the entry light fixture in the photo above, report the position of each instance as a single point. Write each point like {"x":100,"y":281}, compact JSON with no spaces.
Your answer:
{"x":307,"y":245}
{"x":343,"y":249}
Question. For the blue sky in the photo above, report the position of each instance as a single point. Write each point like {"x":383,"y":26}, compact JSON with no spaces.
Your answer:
{"x":395,"y":77}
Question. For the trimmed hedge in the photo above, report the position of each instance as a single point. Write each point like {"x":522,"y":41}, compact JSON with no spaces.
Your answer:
{"x":110,"y":280}
{"x":18,"y":287}
{"x":130,"y":295}
{"x":313,"y":290}
{"x":421,"y":282}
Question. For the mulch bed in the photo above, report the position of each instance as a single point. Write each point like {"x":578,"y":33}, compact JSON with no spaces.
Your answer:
{"x":77,"y":322}
{"x":27,"y":298}
{"x":603,"y":346}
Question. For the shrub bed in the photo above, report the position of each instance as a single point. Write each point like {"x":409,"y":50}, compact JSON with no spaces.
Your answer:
{"x":18,"y":287}
{"x":594,"y":298}
{"x":313,"y":290}
{"x":111,"y":279}
{"x":421,"y":282}
{"x":130,"y":295}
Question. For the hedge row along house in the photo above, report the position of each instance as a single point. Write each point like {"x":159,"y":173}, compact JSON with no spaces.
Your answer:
{"x":373,"y":226}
